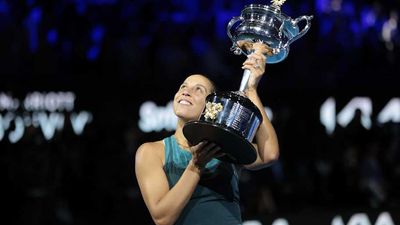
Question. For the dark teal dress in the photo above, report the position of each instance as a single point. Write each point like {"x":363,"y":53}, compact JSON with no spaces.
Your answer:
{"x":216,"y":198}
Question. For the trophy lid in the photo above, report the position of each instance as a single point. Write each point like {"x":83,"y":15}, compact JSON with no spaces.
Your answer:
{"x":262,"y":7}
{"x":275,"y":6}
{"x":276,"y":10}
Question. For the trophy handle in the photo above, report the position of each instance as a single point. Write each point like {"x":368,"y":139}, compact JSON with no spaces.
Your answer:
{"x":234,"y":47}
{"x":231,"y":23}
{"x":302,"y":32}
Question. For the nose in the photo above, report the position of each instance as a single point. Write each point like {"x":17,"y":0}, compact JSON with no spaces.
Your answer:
{"x":186,"y":92}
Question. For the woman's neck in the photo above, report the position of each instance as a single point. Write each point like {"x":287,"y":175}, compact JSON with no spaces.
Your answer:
{"x":179,"y":136}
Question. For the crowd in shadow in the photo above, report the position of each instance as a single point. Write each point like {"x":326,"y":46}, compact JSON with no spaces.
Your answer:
{"x":353,"y":169}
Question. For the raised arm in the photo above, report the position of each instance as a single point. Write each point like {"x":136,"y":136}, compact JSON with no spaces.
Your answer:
{"x":266,"y":139}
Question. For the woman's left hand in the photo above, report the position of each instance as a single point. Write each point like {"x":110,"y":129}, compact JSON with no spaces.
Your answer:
{"x":256,"y":62}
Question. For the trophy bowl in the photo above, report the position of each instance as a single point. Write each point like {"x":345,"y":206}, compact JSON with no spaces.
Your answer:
{"x":230,"y":120}
{"x":266,"y":23}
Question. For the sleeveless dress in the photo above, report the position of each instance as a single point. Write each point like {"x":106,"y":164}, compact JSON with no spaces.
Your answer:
{"x":215,"y":200}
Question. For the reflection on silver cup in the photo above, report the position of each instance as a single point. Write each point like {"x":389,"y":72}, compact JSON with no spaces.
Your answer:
{"x":230,"y":120}
{"x":269,"y":25}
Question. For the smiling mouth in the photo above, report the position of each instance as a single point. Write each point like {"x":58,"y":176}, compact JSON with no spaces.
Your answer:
{"x":184,"y":102}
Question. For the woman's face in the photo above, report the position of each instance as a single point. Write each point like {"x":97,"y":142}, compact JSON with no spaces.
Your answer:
{"x":189,"y":101}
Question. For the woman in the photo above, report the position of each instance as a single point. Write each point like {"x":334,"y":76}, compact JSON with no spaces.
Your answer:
{"x":184,"y":184}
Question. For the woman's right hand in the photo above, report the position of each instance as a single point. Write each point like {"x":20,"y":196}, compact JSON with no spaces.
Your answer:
{"x":202,"y":153}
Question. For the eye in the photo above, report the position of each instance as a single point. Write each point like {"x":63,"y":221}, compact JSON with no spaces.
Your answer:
{"x":200,"y":89}
{"x":182,"y":86}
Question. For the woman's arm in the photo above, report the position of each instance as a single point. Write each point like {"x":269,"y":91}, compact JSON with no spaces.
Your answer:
{"x":266,"y":139}
{"x":165,"y":205}
{"x":267,"y":142}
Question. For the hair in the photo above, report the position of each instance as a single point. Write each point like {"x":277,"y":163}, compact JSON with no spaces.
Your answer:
{"x":213,"y":85}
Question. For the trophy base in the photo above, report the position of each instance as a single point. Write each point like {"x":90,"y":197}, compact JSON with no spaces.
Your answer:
{"x":236,"y":148}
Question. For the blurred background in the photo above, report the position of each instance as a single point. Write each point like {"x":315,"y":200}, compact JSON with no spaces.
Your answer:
{"x":84,"y":82}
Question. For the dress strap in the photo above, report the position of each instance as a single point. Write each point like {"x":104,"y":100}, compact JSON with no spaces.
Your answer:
{"x":168,"y":148}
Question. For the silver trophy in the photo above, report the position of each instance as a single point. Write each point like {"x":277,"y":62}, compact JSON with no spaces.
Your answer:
{"x":269,"y":25}
{"x":230,"y":119}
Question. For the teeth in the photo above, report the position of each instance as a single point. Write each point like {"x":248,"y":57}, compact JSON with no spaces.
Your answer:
{"x":184,"y":102}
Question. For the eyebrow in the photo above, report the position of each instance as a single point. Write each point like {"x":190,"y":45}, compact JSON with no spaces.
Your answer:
{"x":194,"y":85}
{"x":184,"y":83}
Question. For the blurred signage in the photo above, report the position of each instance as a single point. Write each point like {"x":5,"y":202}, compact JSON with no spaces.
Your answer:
{"x":48,"y":111}
{"x":156,"y":118}
{"x":383,"y":218}
{"x":330,"y":117}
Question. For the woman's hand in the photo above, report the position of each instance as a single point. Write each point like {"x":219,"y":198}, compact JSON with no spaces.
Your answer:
{"x":202,"y":153}
{"x":255,"y":62}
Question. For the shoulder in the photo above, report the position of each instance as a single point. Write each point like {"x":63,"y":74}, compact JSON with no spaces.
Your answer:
{"x":150,"y":151}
